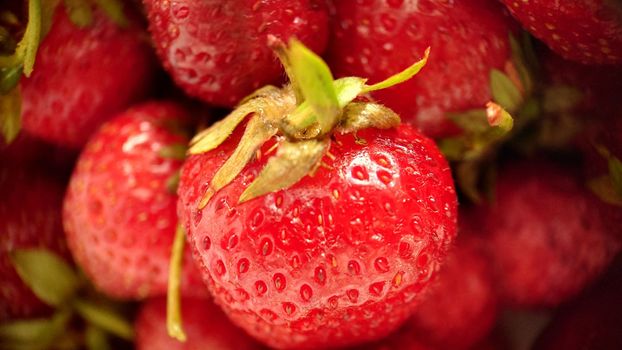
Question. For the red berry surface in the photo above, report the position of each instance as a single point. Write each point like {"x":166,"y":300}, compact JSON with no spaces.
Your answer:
{"x":218,"y":51}
{"x":461,"y":305}
{"x":378,"y":38}
{"x":205,"y":325}
{"x":82,"y":77}
{"x":338,"y":258}
{"x":30,"y":217}
{"x":588,"y":31}
{"x":119,"y":215}
{"x":550,"y":236}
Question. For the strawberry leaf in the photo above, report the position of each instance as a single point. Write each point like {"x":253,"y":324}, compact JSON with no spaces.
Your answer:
{"x":401,"y":76}
{"x":114,"y":11}
{"x":96,"y":339}
{"x":472,"y":121}
{"x":348,"y":89}
{"x":104,"y":317}
{"x":615,"y":172}
{"x":174,"y":151}
{"x":256,"y":134}
{"x":216,"y":134}
{"x":293,"y":161}
{"x":79,"y":12}
{"x":10,"y":115}
{"x":173,"y":299}
{"x":315,"y":81}
{"x":603,"y":188}
{"x":9,"y":78}
{"x":34,"y":334}
{"x":504,"y":92}
{"x":49,"y":277}
{"x":361,"y":115}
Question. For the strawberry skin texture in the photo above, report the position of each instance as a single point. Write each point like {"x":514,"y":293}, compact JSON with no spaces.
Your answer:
{"x":217,"y":51}
{"x":119,"y":216}
{"x":338,"y":258}
{"x":588,"y":31}
{"x":549,"y":235}
{"x":205,"y":325}
{"x":83,"y":77}
{"x":461,"y":305}
{"x":377,"y":38}
{"x":30,"y":217}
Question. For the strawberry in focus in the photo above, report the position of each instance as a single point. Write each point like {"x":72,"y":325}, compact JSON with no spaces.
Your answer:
{"x":119,"y":210}
{"x":206,"y":326}
{"x":336,"y":258}
{"x":218,"y":51}
{"x":83,"y":76}
{"x":30,"y":217}
{"x":550,"y":236}
{"x":588,"y":31}
{"x":377,"y":38}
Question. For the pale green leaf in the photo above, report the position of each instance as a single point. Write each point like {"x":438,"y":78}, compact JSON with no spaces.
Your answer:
{"x":472,"y":121}
{"x":174,"y":323}
{"x":174,"y":151}
{"x":104,"y":317}
{"x":49,"y":277}
{"x":316,"y":84}
{"x":80,"y":12}
{"x":363,"y":115}
{"x":256,"y":134}
{"x":114,"y":10}
{"x":216,"y":134}
{"x":293,"y":161}
{"x":33,"y":334}
{"x":504,"y":92}
{"x":9,"y":78}
{"x":96,"y":339}
{"x":400,"y":77}
{"x":348,"y":89}
{"x":10,"y":115}
{"x":604,"y":189}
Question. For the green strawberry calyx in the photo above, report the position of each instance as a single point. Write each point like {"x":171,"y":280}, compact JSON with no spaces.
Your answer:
{"x":301,"y":116}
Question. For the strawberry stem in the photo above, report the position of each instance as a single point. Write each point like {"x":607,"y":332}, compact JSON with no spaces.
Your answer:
{"x":173,"y":299}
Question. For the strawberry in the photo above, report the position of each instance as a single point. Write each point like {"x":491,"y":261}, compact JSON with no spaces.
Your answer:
{"x":206,"y":325}
{"x":217,"y":51}
{"x":588,"y":31}
{"x":333,"y":259}
{"x":83,"y":76}
{"x":376,"y":38}
{"x":30,"y":217}
{"x":592,"y":322}
{"x":461,"y":305}
{"x":119,"y":210}
{"x":549,"y":235}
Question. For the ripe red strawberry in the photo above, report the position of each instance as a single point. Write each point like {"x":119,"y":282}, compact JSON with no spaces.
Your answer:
{"x":592,"y":322}
{"x":550,"y":236}
{"x":83,"y":76}
{"x":588,"y":31}
{"x":205,"y":324}
{"x":30,"y":217}
{"x":119,"y":214}
{"x":217,"y":51}
{"x":461,"y":305}
{"x":338,"y":258}
{"x":376,"y":38}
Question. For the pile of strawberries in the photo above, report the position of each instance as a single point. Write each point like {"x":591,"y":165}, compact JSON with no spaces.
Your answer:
{"x":309,"y":174}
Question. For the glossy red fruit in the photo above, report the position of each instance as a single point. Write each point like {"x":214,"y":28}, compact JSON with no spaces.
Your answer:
{"x":377,"y":38}
{"x":217,"y":51}
{"x":592,"y":322}
{"x":83,"y":76}
{"x":461,"y":305}
{"x":119,"y":214}
{"x":338,"y":258}
{"x":588,"y":31}
{"x":205,"y":325}
{"x":30,"y":217}
{"x":550,"y":236}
